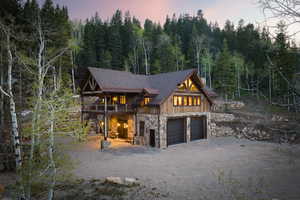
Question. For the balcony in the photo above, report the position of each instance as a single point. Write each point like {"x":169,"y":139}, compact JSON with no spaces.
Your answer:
{"x":100,"y":108}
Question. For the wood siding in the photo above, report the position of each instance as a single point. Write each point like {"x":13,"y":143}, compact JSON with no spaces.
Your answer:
{"x":168,"y":108}
{"x":148,"y":110}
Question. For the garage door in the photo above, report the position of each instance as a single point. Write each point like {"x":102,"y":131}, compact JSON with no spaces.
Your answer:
{"x":198,"y":128}
{"x":175,"y":131}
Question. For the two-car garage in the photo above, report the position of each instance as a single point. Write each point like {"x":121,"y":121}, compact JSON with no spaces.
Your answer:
{"x":177,"y":129}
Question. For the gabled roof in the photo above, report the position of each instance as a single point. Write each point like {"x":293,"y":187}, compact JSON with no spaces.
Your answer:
{"x":160,"y":86}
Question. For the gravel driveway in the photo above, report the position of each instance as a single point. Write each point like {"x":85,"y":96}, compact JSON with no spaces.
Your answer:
{"x":219,"y":168}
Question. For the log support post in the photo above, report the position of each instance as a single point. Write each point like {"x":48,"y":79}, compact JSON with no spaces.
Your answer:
{"x":105,"y":119}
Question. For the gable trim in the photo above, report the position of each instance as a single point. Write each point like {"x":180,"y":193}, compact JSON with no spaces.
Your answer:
{"x":92,"y":83}
{"x":167,"y":96}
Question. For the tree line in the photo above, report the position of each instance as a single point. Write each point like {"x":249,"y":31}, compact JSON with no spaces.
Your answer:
{"x":235,"y":60}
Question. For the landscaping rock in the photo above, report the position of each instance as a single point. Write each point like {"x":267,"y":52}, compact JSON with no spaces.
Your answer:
{"x":131,"y":181}
{"x":222,"y":117}
{"x":115,"y":180}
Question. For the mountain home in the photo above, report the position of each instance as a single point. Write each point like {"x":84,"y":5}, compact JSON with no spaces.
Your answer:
{"x":157,"y":110}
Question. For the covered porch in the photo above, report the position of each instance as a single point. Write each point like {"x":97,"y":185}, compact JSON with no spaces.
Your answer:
{"x":112,"y":115}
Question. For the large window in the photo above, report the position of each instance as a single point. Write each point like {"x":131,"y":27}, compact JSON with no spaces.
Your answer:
{"x":117,"y":100}
{"x":186,"y":100}
{"x":147,"y":100}
{"x":122,"y":99}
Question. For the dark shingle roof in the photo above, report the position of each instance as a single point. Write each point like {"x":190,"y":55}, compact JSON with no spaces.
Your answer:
{"x":162,"y":85}
{"x":113,"y":79}
{"x":166,"y":83}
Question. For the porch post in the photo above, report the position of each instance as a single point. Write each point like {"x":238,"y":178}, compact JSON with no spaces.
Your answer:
{"x":105,"y":119}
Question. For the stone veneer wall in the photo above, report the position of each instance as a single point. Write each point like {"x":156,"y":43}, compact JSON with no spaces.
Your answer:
{"x":151,"y":122}
{"x":164,"y":119}
{"x":131,"y":126}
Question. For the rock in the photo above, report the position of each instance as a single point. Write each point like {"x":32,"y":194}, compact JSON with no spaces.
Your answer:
{"x":131,"y":181}
{"x":115,"y":180}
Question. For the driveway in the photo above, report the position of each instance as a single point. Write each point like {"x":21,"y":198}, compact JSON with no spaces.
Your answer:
{"x":219,"y":168}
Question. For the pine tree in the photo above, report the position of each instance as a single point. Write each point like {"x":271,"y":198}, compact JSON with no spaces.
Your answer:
{"x":224,"y":72}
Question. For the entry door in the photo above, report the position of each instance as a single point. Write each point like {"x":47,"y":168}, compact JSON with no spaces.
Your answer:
{"x":175,"y":131}
{"x":198,"y":128}
{"x":122,"y":129}
{"x":152,"y":138}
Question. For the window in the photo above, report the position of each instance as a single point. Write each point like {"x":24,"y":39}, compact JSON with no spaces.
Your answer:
{"x":198,"y":101}
{"x":179,"y":101}
{"x":195,"y":101}
{"x":122,"y":99}
{"x":114,"y":100}
{"x":142,"y":128}
{"x":175,"y":100}
{"x":190,"y":101}
{"x":188,"y":85}
{"x":101,"y":101}
{"x":186,"y":100}
{"x":147,"y":100}
{"x":182,"y":87}
{"x":194,"y":88}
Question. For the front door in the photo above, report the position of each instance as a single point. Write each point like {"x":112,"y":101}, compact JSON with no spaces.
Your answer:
{"x":152,"y":138}
{"x":122,"y":129}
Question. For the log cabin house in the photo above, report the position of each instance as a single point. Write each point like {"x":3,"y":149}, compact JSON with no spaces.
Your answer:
{"x":156,"y":110}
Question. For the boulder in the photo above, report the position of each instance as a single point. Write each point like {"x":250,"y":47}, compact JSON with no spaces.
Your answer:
{"x":115,"y":180}
{"x":131,"y":181}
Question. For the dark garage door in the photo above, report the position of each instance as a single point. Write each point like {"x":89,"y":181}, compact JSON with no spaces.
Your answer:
{"x":175,"y":131}
{"x":198,"y":128}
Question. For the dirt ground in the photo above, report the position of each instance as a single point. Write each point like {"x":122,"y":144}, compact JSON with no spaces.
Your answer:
{"x":218,"y":168}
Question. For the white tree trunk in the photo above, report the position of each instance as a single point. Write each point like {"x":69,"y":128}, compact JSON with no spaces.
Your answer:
{"x":146,"y":57}
{"x":1,"y":100}
{"x":198,"y":61}
{"x":73,"y":73}
{"x":37,"y":108}
{"x":52,"y":166}
{"x":209,"y":68}
{"x":270,"y":85}
{"x":12,"y":106}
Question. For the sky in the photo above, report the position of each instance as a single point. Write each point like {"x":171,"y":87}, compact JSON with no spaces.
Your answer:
{"x":157,"y":10}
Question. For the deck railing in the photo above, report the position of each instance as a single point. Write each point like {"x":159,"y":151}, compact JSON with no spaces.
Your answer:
{"x":110,"y":108}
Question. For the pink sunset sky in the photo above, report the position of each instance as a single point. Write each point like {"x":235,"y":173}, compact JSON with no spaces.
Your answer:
{"x":157,"y":10}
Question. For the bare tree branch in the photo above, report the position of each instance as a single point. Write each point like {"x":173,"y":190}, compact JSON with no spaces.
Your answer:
{"x":5,"y":93}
